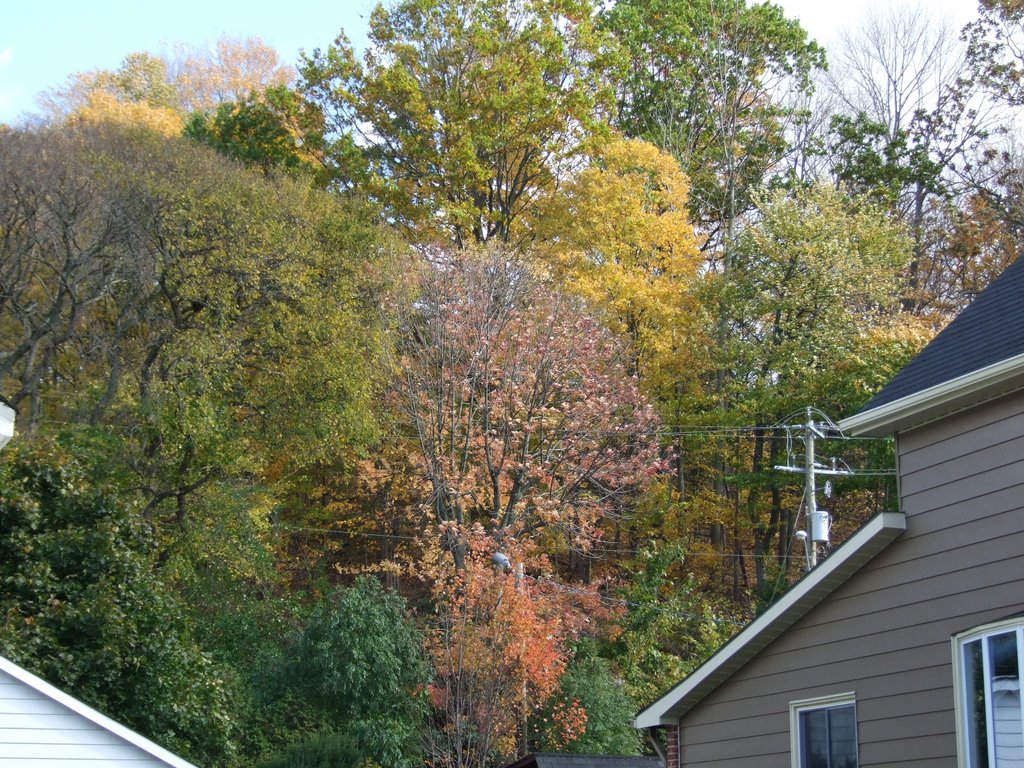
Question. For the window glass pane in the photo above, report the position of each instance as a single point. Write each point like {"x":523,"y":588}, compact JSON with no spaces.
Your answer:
{"x":974,"y":684}
{"x":1004,"y":691}
{"x":814,"y":739}
{"x":842,"y":737}
{"x":828,"y":737}
{"x":1002,"y":651}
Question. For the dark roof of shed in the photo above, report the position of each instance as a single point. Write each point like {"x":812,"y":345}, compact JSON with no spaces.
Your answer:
{"x":988,"y":331}
{"x":557,"y":760}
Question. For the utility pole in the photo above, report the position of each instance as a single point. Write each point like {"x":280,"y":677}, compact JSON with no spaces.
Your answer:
{"x":524,"y":705}
{"x":818,"y":520}
{"x":810,"y":489}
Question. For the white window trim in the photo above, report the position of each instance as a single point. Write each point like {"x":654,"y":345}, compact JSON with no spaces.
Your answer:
{"x":957,"y":643}
{"x":819,"y":702}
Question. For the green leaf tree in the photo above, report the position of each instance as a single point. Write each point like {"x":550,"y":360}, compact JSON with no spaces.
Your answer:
{"x":819,"y":271}
{"x":361,"y":661}
{"x":911,"y":133}
{"x":590,"y":684}
{"x":215,"y":327}
{"x":83,"y":608}
{"x":994,"y":49}
{"x":703,"y":83}
{"x":469,"y":110}
{"x":273,"y":130}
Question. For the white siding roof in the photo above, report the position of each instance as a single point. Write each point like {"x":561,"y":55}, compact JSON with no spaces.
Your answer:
{"x":43,"y":727}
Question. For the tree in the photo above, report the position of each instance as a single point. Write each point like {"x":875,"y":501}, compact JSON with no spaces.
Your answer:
{"x":817,"y":271}
{"x":331,"y":751}
{"x":671,"y":625}
{"x":590,"y":686}
{"x":83,"y":608}
{"x":525,"y":418}
{"x":994,"y":49}
{"x":141,"y":78}
{"x":272,"y":130}
{"x":912,"y":126}
{"x":212,"y":327}
{"x":705,"y":82}
{"x":234,"y":70}
{"x":360,"y":659}
{"x":619,"y":236}
{"x":59,"y":257}
{"x":470,"y":110}
{"x":499,"y":645}
{"x":193,"y":80}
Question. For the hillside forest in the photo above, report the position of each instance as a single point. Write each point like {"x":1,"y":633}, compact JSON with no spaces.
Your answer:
{"x":424,"y":404}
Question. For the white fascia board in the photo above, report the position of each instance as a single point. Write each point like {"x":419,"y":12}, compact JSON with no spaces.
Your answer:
{"x":98,"y":718}
{"x":871,"y":539}
{"x":955,"y":394}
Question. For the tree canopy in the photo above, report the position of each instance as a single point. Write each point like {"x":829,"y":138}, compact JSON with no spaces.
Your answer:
{"x":423,"y":404}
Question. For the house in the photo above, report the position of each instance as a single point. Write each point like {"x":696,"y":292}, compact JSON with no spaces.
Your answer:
{"x":44,"y":727}
{"x":904,"y":646}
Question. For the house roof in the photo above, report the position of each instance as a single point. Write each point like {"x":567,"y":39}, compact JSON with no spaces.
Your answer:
{"x":867,"y":542}
{"x":97,"y":718}
{"x":978,"y":356}
{"x":558,"y":760}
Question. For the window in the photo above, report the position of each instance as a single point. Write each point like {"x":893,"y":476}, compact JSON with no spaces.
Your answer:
{"x":823,"y":732}
{"x":989,"y":716}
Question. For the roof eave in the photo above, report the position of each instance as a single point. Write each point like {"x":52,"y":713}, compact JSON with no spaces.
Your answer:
{"x":942,"y":399}
{"x":867,"y":542}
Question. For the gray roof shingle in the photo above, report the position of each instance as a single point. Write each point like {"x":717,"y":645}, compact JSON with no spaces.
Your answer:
{"x":988,"y":331}
{"x":560,"y":760}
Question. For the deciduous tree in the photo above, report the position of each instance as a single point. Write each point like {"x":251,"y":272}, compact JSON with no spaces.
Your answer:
{"x":470,"y":110}
{"x":499,"y":645}
{"x":83,"y":608}
{"x":232,"y":70}
{"x":705,"y":82}
{"x":819,"y":269}
{"x":619,"y":236}
{"x":211,"y":324}
{"x":994,"y":49}
{"x":526,"y":419}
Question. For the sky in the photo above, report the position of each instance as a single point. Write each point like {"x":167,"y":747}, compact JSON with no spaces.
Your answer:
{"x":44,"y":41}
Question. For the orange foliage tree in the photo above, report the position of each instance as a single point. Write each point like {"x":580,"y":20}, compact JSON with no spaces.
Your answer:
{"x":499,"y":644}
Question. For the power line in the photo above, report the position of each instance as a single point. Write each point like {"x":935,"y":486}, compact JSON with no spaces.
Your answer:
{"x":633,"y":604}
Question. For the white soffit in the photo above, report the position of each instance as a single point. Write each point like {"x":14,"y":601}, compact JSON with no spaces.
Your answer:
{"x":871,"y":539}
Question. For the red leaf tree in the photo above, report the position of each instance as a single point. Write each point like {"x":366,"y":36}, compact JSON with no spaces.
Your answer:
{"x":525,"y":418}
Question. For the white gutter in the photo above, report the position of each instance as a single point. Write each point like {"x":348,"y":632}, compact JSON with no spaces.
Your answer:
{"x":871,"y":539}
{"x":941,"y":399}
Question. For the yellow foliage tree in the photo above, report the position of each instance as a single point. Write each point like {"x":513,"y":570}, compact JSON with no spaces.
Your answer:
{"x":619,"y":236}
{"x":103,"y":107}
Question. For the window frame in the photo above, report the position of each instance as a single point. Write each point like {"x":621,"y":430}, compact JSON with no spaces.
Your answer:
{"x":957,"y":643}
{"x":849,"y":698}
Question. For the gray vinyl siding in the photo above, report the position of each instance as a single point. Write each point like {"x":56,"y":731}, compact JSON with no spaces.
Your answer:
{"x":885,"y":633}
{"x":38,"y":732}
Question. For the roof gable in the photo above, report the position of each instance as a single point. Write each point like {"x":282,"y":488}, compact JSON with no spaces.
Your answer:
{"x":97,"y":718}
{"x":867,"y":542}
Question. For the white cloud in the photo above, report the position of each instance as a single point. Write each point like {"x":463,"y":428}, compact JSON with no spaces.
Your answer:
{"x":5,"y":57}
